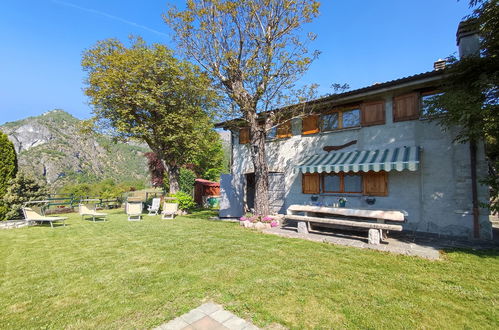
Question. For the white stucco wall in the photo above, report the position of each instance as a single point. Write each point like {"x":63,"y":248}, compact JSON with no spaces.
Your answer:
{"x":437,"y":197}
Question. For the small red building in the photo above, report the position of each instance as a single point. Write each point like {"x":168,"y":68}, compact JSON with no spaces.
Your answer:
{"x":204,"y":189}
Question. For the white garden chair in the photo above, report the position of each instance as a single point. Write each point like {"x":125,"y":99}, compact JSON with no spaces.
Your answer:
{"x":134,"y":211}
{"x":154,"y":207}
{"x":169,"y":210}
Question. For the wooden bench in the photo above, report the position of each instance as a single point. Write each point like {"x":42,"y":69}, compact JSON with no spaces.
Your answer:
{"x":378,"y":222}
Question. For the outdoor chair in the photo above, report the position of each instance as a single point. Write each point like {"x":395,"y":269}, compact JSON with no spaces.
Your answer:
{"x":90,"y":209}
{"x":30,"y":215}
{"x":154,"y":207}
{"x":134,"y":211}
{"x":169,"y":210}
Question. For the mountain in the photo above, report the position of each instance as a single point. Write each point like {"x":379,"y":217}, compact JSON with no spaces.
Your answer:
{"x":54,"y":148}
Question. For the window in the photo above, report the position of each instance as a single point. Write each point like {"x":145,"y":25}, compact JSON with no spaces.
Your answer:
{"x":370,"y":184}
{"x":405,"y":107}
{"x":351,"y":118}
{"x":352,"y":183}
{"x":330,"y":121}
{"x":376,"y":184}
{"x":341,"y":119}
{"x":244,"y":135}
{"x":310,"y":183}
{"x":373,"y":113}
{"x":426,"y":102}
{"x":342,"y":183}
{"x":310,"y":125}
{"x":331,"y":183}
{"x":272,"y":133}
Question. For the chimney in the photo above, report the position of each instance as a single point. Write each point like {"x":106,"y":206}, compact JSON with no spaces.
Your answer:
{"x":468,"y":40}
{"x":439,"y":64}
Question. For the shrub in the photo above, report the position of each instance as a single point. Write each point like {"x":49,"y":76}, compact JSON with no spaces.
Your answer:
{"x":8,"y":169}
{"x":186,"y":180}
{"x":212,"y":174}
{"x":185,"y":201}
{"x":22,"y":189}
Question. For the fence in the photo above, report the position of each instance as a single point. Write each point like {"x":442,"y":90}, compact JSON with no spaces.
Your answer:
{"x":70,"y":200}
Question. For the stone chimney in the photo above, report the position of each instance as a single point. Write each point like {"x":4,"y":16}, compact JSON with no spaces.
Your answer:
{"x":439,"y":64}
{"x":468,"y":40}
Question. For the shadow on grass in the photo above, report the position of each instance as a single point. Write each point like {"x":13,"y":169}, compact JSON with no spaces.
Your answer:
{"x":200,"y":213}
{"x":486,"y":253}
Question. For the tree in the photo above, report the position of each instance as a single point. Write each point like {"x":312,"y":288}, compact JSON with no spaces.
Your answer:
{"x":255,"y":50}
{"x":23,"y":189}
{"x":144,"y":92}
{"x":8,"y":169}
{"x":156,"y":169}
{"x":469,"y":98}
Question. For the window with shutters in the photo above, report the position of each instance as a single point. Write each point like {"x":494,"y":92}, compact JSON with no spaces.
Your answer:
{"x":244,"y":135}
{"x":406,"y":107}
{"x":373,"y":113}
{"x":311,"y":183}
{"x":310,"y":125}
{"x":376,"y":184}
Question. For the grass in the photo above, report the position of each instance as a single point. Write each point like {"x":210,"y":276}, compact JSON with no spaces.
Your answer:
{"x":121,"y":274}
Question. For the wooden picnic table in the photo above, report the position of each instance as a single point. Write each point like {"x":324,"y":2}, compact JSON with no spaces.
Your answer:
{"x":378,"y":222}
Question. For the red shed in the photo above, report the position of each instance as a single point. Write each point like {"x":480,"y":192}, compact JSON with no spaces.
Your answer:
{"x":205,"y":188}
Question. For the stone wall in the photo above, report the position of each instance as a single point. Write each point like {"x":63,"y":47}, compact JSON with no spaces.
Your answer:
{"x":437,"y":197}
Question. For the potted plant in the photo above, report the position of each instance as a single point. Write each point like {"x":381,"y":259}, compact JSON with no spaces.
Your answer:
{"x":342,"y":201}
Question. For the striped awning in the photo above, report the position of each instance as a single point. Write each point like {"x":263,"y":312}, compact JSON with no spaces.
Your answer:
{"x":402,"y":158}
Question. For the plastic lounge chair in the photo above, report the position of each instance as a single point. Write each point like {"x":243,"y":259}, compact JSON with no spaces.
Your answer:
{"x":89,"y":209}
{"x":31,"y":215}
{"x":169,"y":210}
{"x":154,"y":207}
{"x":134,"y":211}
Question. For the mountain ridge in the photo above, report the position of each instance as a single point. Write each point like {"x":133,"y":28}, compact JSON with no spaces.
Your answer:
{"x":54,"y":148}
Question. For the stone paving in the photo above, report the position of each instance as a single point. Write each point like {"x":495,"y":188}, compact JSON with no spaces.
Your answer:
{"x":10,"y":224}
{"x":425,"y":246}
{"x":209,"y":316}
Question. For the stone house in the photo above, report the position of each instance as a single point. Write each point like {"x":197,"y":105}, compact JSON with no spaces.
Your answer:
{"x":374,"y":147}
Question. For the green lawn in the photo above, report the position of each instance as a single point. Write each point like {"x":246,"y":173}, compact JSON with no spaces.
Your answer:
{"x":121,"y":274}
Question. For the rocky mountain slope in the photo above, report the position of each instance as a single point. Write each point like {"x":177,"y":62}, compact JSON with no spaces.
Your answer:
{"x":54,"y":149}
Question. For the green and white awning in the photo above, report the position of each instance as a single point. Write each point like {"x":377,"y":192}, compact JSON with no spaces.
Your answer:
{"x":402,"y":158}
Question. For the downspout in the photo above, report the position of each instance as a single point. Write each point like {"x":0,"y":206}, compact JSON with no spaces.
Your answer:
{"x":474,"y":189}
{"x":231,"y":161}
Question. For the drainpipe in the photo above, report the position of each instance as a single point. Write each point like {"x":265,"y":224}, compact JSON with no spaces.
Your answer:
{"x":474,"y":190}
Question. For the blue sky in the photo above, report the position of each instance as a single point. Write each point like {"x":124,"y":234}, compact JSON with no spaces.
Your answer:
{"x":362,"y":42}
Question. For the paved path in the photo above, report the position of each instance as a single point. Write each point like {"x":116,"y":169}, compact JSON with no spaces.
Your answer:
{"x":209,"y":316}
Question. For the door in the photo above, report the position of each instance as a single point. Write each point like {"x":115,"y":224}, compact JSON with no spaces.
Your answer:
{"x":231,"y":202}
{"x":276,"y":191}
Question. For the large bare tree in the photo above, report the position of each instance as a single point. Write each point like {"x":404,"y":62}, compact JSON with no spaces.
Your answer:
{"x":256,"y":50}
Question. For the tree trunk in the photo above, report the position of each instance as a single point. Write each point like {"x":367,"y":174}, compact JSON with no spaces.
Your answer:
{"x":173,"y":176}
{"x":257,"y":140}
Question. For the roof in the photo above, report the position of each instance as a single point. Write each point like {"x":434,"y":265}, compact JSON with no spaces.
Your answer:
{"x":378,"y":87}
{"x":208,"y":183}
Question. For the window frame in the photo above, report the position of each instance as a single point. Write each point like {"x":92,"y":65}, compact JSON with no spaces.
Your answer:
{"x":340,"y":112}
{"x":342,"y":183}
{"x":422,"y":115}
